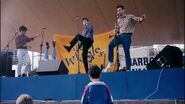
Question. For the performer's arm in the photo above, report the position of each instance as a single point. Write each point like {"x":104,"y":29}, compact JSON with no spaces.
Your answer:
{"x":138,"y":19}
{"x":89,"y":31}
{"x":28,"y":39}
{"x":113,"y":34}
{"x":115,"y":31}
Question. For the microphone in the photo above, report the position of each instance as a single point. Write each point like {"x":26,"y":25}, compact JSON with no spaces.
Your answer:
{"x":77,"y":17}
{"x":118,"y":15}
{"x":77,"y":22}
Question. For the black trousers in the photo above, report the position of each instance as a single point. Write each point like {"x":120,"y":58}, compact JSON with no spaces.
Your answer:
{"x":86,"y":44}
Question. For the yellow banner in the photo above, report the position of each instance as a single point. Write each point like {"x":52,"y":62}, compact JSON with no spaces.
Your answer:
{"x":98,"y":53}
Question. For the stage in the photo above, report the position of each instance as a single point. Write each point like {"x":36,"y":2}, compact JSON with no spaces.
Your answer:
{"x":163,"y":101}
{"x":124,"y":85}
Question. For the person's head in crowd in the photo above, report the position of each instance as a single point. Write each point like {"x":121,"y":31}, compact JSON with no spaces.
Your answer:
{"x":94,"y":73}
{"x":24,"y":99}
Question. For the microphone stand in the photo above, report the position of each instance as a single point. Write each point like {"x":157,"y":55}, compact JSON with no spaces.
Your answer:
{"x":7,"y":52}
{"x":78,"y":54}
{"x":117,"y":33}
{"x":41,"y":45}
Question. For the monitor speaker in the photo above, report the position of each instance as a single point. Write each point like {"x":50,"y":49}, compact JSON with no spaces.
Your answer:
{"x":170,"y":57}
{"x":51,"y":67}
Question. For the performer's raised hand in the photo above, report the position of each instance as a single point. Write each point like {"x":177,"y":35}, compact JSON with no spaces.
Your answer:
{"x":37,"y":35}
{"x":142,"y":17}
{"x":113,"y":34}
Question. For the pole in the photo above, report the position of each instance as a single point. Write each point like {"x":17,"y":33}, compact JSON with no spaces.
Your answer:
{"x":41,"y":45}
{"x":77,"y":20}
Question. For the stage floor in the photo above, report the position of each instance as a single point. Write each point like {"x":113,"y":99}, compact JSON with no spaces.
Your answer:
{"x":163,"y":101}
{"x":123,"y":85}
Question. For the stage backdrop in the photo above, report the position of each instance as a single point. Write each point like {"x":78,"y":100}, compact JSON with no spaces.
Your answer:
{"x":98,"y":54}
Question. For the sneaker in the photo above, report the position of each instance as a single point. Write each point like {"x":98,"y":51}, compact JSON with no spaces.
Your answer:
{"x":123,"y":68}
{"x":110,"y":64}
{"x":67,"y":48}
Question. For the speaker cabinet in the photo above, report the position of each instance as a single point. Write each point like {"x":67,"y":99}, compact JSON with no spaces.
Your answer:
{"x":51,"y":67}
{"x":170,"y":57}
{"x":6,"y":64}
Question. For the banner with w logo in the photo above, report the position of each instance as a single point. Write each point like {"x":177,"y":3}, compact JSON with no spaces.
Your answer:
{"x":98,"y":53}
